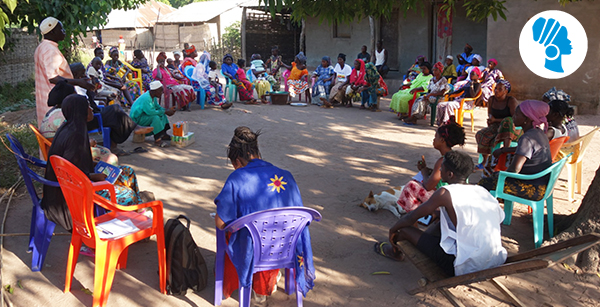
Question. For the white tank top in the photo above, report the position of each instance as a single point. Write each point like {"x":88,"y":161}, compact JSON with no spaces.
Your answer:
{"x":379,"y":57}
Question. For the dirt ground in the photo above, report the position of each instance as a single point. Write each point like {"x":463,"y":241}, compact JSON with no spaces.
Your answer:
{"x":337,"y":156}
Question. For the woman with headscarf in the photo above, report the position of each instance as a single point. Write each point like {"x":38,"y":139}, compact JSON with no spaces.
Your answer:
{"x":190,"y":55}
{"x":415,"y":69}
{"x":569,"y":122}
{"x":55,"y":118}
{"x":237,"y":75}
{"x":140,"y":62}
{"x":490,"y":76}
{"x":351,"y":88}
{"x":374,"y":87}
{"x":342,"y":72}
{"x":500,"y":129}
{"x":72,"y":143}
{"x":175,"y":93}
{"x":531,"y":156}
{"x":324,"y":75}
{"x":297,"y":81}
{"x":445,"y":109}
{"x":400,"y":100}
{"x":437,"y":87}
{"x":116,"y":71}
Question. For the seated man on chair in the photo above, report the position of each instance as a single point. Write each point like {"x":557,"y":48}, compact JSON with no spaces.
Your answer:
{"x":467,"y":238}
{"x":146,"y":111}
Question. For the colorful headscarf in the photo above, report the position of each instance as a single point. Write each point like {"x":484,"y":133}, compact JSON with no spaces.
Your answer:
{"x":328,"y":59}
{"x":358,"y":77}
{"x":439,"y":66}
{"x":301,"y":57}
{"x":112,"y":49}
{"x":190,"y":50}
{"x":493,"y":61}
{"x":161,"y":56}
{"x":477,"y":72}
{"x":554,"y":94}
{"x":536,"y":111}
{"x":505,"y":83}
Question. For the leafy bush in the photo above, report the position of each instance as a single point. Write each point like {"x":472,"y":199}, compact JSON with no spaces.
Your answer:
{"x":19,"y":97}
{"x":8,"y":163}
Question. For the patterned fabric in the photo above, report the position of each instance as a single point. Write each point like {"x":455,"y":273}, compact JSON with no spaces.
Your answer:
{"x":321,"y":88}
{"x":372,"y":76}
{"x":496,"y":133}
{"x":519,"y":188}
{"x":116,"y":70}
{"x":146,"y":72}
{"x":49,"y":63}
{"x":126,"y":188}
{"x":101,"y":153}
{"x":445,"y":109}
{"x":53,"y":119}
{"x":215,"y":96}
{"x":183,"y":94}
{"x":412,"y":195}
{"x":420,"y":107}
{"x":489,"y":80}
{"x":296,"y":87}
{"x":554,"y":94}
{"x":297,"y":74}
{"x":244,"y":86}
{"x":400,"y":100}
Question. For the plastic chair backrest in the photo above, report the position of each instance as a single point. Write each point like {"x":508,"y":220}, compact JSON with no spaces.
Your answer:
{"x":280,"y":225}
{"x":189,"y":72}
{"x":43,"y":142}
{"x":77,"y":190}
{"x":137,"y":77}
{"x":555,"y":145}
{"x":579,"y":147}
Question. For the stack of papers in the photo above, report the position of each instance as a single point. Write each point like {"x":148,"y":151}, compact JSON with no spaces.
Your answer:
{"x":115,"y":228}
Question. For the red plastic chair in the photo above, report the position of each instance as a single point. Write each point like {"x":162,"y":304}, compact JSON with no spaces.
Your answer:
{"x":111,"y":253}
{"x":411,"y":102}
{"x":555,"y":145}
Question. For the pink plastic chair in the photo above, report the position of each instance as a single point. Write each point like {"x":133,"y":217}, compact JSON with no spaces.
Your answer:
{"x":282,"y":225}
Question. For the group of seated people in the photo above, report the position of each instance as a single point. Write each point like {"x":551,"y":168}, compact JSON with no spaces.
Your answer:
{"x":465,"y":235}
{"x":427,"y":86}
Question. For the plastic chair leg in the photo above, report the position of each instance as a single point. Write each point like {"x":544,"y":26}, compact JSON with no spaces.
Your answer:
{"x":579,"y":174}
{"x":245,"y":296}
{"x":106,"y":137}
{"x":219,"y":268}
{"x":549,"y":209}
{"x":290,"y":283}
{"x":538,"y":224}
{"x":72,"y":260}
{"x":104,"y":273}
{"x":201,"y":98}
{"x":32,"y":231}
{"x":41,"y":241}
{"x":472,"y":122}
{"x":508,"y":209}
{"x":433,"y":107}
{"x":162,"y":260}
{"x":298,"y":298}
{"x":122,"y":263}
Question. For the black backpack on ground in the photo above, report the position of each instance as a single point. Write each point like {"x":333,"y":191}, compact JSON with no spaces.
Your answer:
{"x":186,"y":267}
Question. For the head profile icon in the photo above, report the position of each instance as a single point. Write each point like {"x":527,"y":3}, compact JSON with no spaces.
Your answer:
{"x":553,"y":36}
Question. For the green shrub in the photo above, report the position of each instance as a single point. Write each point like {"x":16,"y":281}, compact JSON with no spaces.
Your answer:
{"x":18,"y":97}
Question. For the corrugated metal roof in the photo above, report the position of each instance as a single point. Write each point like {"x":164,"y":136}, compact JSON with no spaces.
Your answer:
{"x":200,"y":11}
{"x":143,"y":17}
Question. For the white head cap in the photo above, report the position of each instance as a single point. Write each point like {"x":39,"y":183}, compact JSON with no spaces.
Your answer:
{"x":478,"y":57}
{"x":48,"y":24}
{"x":155,"y":85}
{"x":450,"y":57}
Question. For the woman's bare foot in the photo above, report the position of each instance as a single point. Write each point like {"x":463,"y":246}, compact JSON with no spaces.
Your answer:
{"x":226,"y":106}
{"x":142,"y":130}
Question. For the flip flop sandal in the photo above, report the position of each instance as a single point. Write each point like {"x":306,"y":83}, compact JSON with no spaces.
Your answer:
{"x":408,"y":124}
{"x":378,"y":248}
{"x":121,"y":153}
{"x":166,"y":137}
{"x":162,"y":144}
{"x":139,"y":150}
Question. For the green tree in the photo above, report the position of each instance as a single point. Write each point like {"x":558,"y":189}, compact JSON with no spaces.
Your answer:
{"x":167,"y":2}
{"x":180,"y":3}
{"x":77,"y":16}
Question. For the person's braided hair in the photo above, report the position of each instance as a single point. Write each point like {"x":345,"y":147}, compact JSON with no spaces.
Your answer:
{"x":562,"y":108}
{"x":459,"y":163}
{"x":244,"y":144}
{"x":453,"y":134}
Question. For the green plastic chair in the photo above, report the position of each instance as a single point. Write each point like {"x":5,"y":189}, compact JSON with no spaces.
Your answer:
{"x":231,"y":88}
{"x":537,"y":207}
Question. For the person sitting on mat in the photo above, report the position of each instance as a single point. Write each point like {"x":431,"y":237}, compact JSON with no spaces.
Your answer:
{"x":467,"y":237}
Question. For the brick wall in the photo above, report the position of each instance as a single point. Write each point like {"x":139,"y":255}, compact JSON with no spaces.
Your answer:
{"x":16,"y":64}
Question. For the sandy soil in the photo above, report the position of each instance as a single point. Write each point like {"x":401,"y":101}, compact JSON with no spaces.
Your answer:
{"x":337,"y":156}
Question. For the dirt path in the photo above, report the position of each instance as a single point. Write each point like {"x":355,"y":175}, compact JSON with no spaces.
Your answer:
{"x":337,"y":156}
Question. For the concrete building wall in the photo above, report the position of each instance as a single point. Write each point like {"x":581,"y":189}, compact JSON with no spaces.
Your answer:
{"x":466,"y":31}
{"x":320,"y":40}
{"x":414,"y":38}
{"x":503,"y":43}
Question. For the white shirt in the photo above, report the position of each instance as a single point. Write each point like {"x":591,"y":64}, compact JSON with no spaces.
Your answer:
{"x":379,"y":57}
{"x":212,"y":75}
{"x":475,"y":241}
{"x":342,"y":74}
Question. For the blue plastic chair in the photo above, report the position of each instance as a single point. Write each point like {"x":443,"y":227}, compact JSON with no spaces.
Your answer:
{"x":200,"y":92}
{"x":105,"y":131}
{"x":41,"y":229}
{"x":281,"y":224}
{"x":230,"y":88}
{"x":537,"y":207}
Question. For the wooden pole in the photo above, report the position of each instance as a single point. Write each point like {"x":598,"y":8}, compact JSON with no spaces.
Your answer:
{"x":372,"y":28}
{"x":243,"y":33}
{"x":154,"y":38}
{"x":301,"y":47}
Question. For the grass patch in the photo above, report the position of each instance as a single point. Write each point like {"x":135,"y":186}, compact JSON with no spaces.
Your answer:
{"x":8,"y":163}
{"x":18,"y":97}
